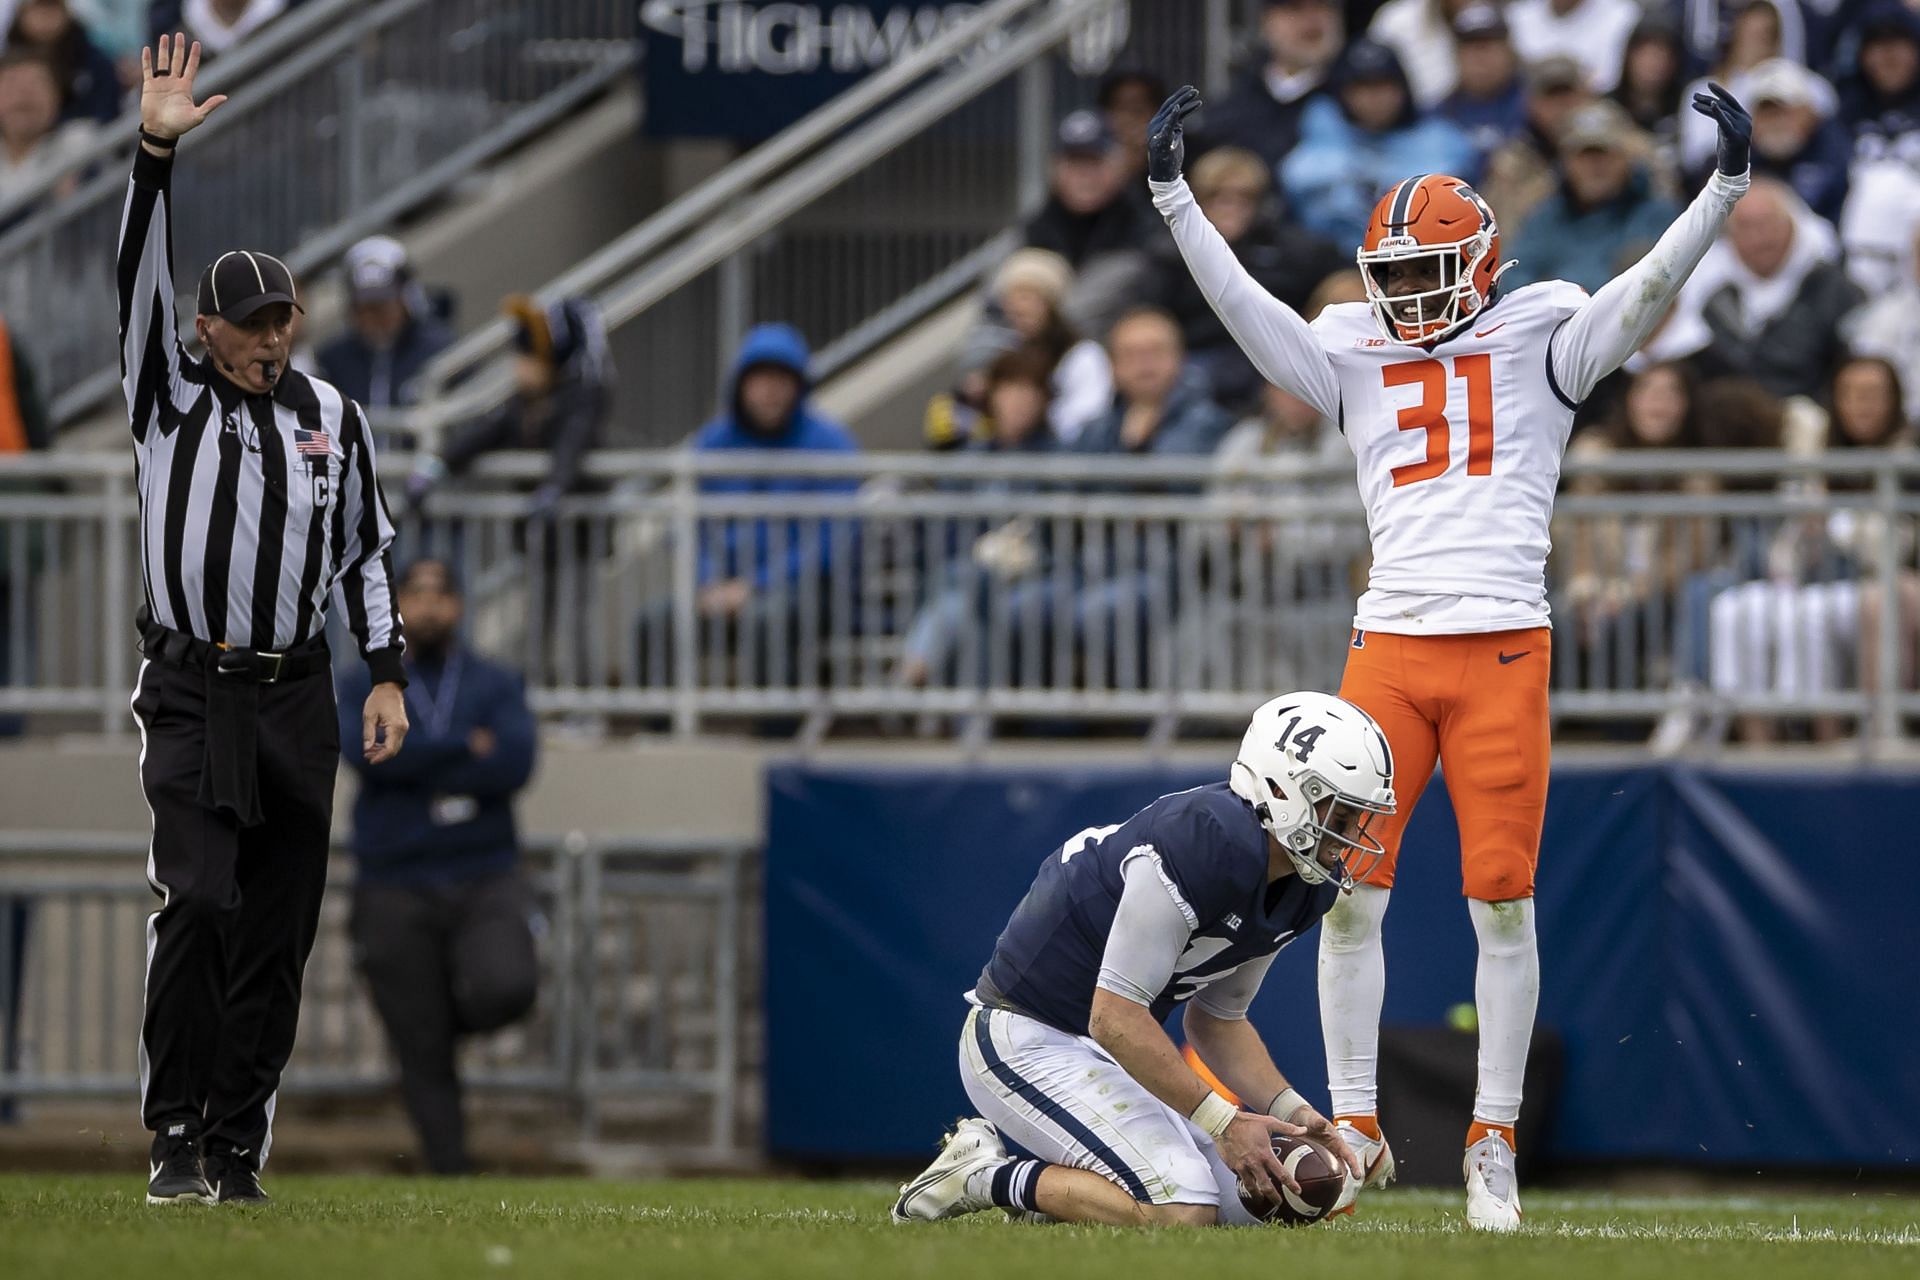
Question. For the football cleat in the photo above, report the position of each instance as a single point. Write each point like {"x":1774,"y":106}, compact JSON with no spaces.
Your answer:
{"x":1376,"y":1165}
{"x":941,"y":1192}
{"x":1493,"y":1189}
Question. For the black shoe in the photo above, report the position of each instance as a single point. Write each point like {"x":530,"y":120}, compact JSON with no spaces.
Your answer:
{"x":234,"y":1179}
{"x":177,"y":1176}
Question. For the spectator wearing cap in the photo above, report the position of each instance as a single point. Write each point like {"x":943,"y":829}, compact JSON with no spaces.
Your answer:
{"x":1302,"y":39}
{"x":1652,"y":72}
{"x":1604,"y":213}
{"x":89,"y":84}
{"x":1127,"y":99}
{"x":1361,"y":141}
{"x":34,"y":144}
{"x":1753,"y":35}
{"x":1421,"y":33}
{"x":1233,"y":187}
{"x":1488,"y":102}
{"x":1794,"y":137}
{"x":391,"y":336}
{"x":1088,"y":211}
{"x":1880,"y":100}
{"x":563,"y":385}
{"x":1030,"y":293}
{"x":1523,"y":172}
{"x":1591,"y":32}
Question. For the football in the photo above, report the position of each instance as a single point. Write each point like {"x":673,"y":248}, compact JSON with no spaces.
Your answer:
{"x":1321,"y":1177}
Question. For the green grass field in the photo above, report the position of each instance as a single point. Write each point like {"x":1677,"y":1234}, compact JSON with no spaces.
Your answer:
{"x":76,"y":1228}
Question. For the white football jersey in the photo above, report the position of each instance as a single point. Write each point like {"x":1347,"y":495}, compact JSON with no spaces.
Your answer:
{"x":1459,"y":453}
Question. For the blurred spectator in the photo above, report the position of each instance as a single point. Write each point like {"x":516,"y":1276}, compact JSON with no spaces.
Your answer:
{"x":1127,"y":99}
{"x":89,"y":84}
{"x":563,"y":384}
{"x":1706,"y":25}
{"x":1591,"y":32}
{"x":1800,"y":628}
{"x":1159,"y":405}
{"x":1488,"y":102}
{"x":1421,"y":34}
{"x":1358,"y":143}
{"x":1770,"y":295}
{"x":118,"y":27}
{"x":218,"y":25}
{"x":1605,"y":213}
{"x":1089,"y":209}
{"x":1232,"y":187}
{"x":1262,"y":114}
{"x":1880,"y":100}
{"x":1030,"y":291}
{"x":442,"y":918}
{"x":1794,"y":139}
{"x":1889,"y":327}
{"x":1344,"y":285}
{"x":392,"y":334}
{"x":24,"y":426}
{"x":747,"y":571}
{"x":1007,"y":561}
{"x":34,"y":144}
{"x":1284,"y":426}
{"x":1652,"y":73}
{"x":1752,"y":37}
{"x":1625,"y":575}
{"x":1879,"y":223}
{"x":1522,"y":173}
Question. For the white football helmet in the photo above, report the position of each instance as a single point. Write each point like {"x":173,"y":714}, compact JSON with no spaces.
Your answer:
{"x":1316,"y":769}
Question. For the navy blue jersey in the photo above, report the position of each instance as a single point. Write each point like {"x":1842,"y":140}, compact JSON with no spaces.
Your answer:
{"x":1214,"y":849}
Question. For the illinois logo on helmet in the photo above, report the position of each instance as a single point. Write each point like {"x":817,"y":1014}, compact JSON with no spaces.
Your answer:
{"x":1431,"y":216}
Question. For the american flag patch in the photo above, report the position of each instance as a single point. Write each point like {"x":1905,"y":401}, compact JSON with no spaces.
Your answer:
{"x":305,"y":441}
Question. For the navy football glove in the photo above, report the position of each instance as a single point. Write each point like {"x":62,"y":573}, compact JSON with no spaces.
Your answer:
{"x":1166,"y":135}
{"x":1736,"y":128}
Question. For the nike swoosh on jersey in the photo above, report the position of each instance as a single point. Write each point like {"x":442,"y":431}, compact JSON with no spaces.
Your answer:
{"x":1481,"y":333}
{"x":1508,"y":659}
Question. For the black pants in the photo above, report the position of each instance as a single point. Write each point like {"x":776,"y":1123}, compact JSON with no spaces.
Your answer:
{"x":239,"y":906}
{"x":444,"y":961}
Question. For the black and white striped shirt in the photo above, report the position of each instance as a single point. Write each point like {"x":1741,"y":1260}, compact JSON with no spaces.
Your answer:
{"x":252,"y":507}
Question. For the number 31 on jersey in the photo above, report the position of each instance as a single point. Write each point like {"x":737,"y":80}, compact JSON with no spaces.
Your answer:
{"x":1430,"y":414}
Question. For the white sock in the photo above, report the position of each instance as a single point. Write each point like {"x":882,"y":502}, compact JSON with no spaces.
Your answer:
{"x":1506,"y":990}
{"x":1353,"y":982}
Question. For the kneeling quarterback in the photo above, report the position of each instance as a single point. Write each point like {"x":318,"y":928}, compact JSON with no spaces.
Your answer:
{"x":1187,"y":901}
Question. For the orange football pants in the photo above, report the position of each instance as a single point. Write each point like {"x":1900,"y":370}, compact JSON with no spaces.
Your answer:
{"x":1476,"y":704}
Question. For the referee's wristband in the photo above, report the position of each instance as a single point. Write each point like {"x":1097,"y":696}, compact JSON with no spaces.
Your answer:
{"x":1213,"y":1114}
{"x":156,"y":141}
{"x":1285,"y":1103}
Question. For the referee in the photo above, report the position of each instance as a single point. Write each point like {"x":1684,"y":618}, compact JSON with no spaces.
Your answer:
{"x":258,"y":499}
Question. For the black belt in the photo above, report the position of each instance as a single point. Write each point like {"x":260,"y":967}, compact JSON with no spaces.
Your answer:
{"x":229,"y":765}
{"x":257,"y":666}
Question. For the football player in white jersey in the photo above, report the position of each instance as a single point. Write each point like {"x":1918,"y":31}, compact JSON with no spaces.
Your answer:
{"x":1457,"y":399}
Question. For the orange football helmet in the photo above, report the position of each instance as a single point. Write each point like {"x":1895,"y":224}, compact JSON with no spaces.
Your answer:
{"x":1431,"y":216}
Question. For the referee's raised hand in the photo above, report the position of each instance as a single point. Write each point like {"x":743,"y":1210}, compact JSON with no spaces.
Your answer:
{"x":167,"y":109}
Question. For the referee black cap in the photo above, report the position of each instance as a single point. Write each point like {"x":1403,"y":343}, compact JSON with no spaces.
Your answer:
{"x":240,"y":282}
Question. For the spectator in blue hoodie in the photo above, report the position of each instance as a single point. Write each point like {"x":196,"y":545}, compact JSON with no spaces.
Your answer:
{"x":442,"y":919}
{"x":1880,"y":101}
{"x":1359,"y":142}
{"x":1604,"y":213}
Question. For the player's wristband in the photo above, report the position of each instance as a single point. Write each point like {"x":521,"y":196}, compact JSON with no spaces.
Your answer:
{"x":1213,"y":1114}
{"x":1285,"y":1103}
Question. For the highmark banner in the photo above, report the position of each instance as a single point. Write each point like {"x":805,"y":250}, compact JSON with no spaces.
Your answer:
{"x":745,"y":69}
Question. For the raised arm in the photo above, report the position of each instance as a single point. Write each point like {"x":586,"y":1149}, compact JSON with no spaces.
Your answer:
{"x":150,"y":351}
{"x":1278,"y":341}
{"x":1616,"y":321}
